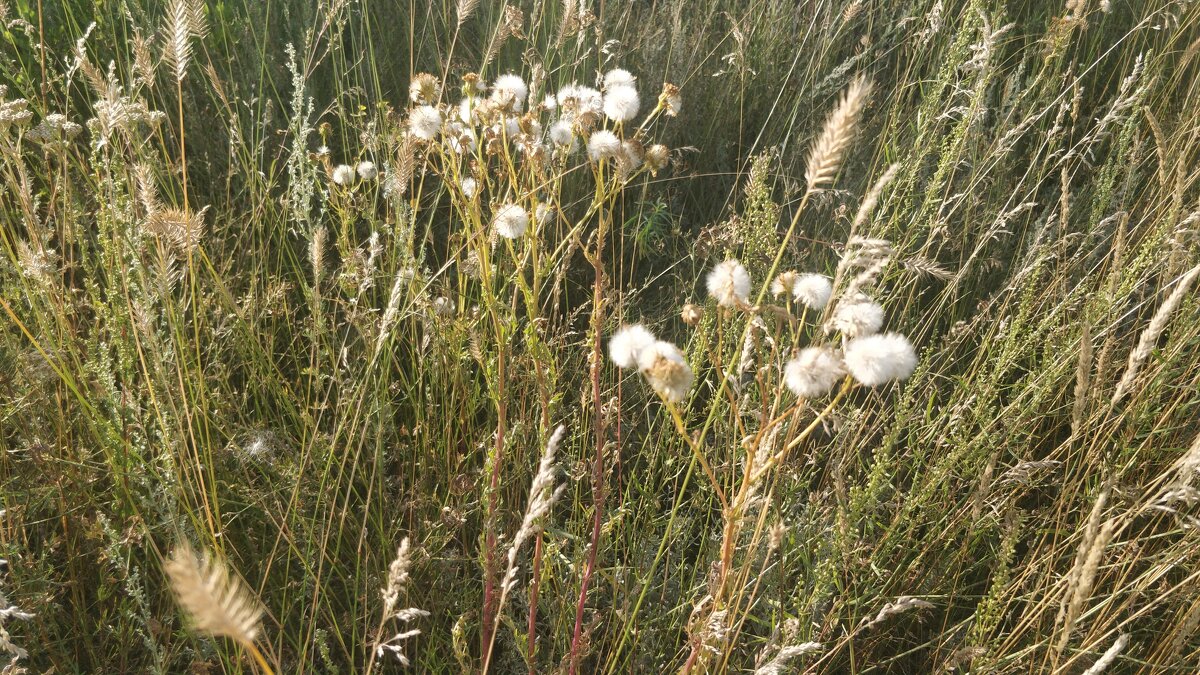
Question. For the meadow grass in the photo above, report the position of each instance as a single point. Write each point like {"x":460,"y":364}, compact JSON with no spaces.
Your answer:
{"x":306,"y":367}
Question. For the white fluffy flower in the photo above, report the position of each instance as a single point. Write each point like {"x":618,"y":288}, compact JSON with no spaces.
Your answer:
{"x":813,"y":372}
{"x":603,"y":144}
{"x":666,"y":370}
{"x":470,"y":187}
{"x":628,"y":343}
{"x":561,"y":134}
{"x":729,"y":283}
{"x":367,"y":170}
{"x":621,"y":103}
{"x":619,"y":77}
{"x":510,"y":221}
{"x":424,"y":122}
{"x":543,"y":214}
{"x":460,"y":139}
{"x":813,"y":291}
{"x":858,"y":318}
{"x":510,"y":90}
{"x":877,"y":359}
{"x":343,"y":174}
{"x":580,"y":100}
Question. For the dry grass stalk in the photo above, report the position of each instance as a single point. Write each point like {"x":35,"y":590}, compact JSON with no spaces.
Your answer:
{"x":1083,"y":573}
{"x":826,"y":153}
{"x":1083,"y":372}
{"x":1149,"y":337}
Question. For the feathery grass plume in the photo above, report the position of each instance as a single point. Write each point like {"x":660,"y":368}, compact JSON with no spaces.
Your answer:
{"x":813,"y":372}
{"x":1149,"y":337}
{"x":867,"y":207}
{"x":218,"y":604}
{"x":181,"y":230}
{"x":1087,"y":560}
{"x":185,"y":21}
{"x":464,"y":10}
{"x":1083,"y":372}
{"x":1109,"y":656}
{"x":729,"y":283}
{"x":825,"y":155}
{"x":316,"y":254}
{"x":542,"y":495}
{"x":902,"y":604}
{"x":878,"y":359}
{"x":397,"y":582}
{"x":779,"y":664}
{"x":627,"y":344}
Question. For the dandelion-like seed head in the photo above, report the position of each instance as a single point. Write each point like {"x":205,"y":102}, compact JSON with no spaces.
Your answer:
{"x":631,"y":157}
{"x":671,"y":99}
{"x":783,"y":283}
{"x":621,"y":103}
{"x":729,"y":283}
{"x":666,"y":370}
{"x":603,"y":144}
{"x":343,"y":174}
{"x":424,"y":88}
{"x":367,"y":170}
{"x":543,"y":214}
{"x":813,"y":372}
{"x":628,"y":343}
{"x":691,"y":314}
{"x":619,"y":77}
{"x":470,"y":187}
{"x":511,"y":221}
{"x":425,"y":122}
{"x":877,"y":359}
{"x":814,"y":291}
{"x":857,"y":318}
{"x":657,"y":158}
{"x":561,"y":133}
{"x":510,"y":91}
{"x":579,"y":101}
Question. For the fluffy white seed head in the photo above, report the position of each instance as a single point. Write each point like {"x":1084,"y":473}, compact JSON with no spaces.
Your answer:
{"x":470,"y":187}
{"x":666,"y":370}
{"x":511,"y":221}
{"x":858,"y":318}
{"x":813,"y":372}
{"x":729,"y":283}
{"x":579,"y":100}
{"x":561,"y":134}
{"x":619,"y":77}
{"x":783,"y":283}
{"x":367,"y":170}
{"x":543,"y":214}
{"x":621,"y":103}
{"x":657,"y":157}
{"x":510,"y":90}
{"x":813,"y":291}
{"x":628,"y":343}
{"x":877,"y":359}
{"x":425,"y":122}
{"x":603,"y":144}
{"x":343,"y":174}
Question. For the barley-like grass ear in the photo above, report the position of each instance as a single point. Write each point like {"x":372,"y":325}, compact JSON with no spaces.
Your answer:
{"x":825,"y":155}
{"x":185,"y":20}
{"x":465,"y":9}
{"x":1149,"y":337}
{"x":218,"y":604}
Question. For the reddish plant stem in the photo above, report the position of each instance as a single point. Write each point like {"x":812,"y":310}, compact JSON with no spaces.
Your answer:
{"x":598,"y":470}
{"x":489,"y":567}
{"x":531,"y":631}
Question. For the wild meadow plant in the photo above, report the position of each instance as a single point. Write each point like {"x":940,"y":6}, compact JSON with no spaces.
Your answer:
{"x":698,"y":336}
